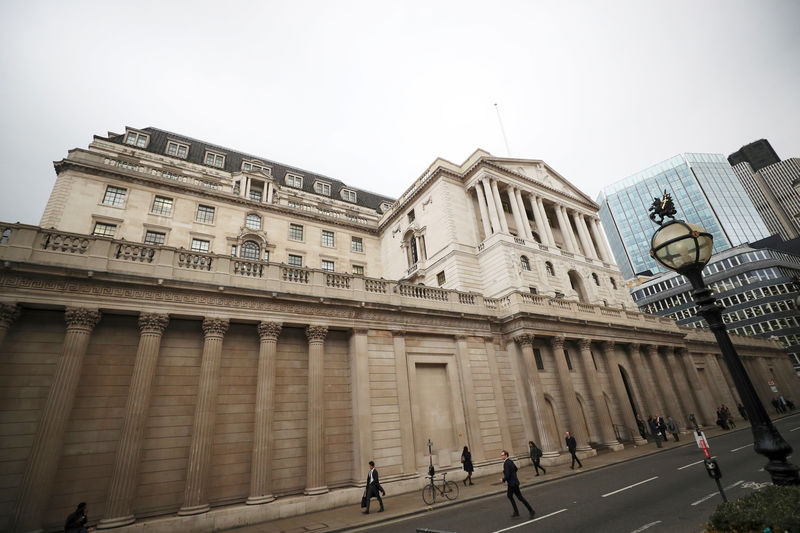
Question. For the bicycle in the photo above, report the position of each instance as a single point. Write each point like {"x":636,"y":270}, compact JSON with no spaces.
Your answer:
{"x":448,"y":489}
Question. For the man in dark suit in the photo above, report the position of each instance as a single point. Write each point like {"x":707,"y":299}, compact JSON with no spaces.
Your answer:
{"x":374,"y":488}
{"x":572,"y":446}
{"x":510,"y":477}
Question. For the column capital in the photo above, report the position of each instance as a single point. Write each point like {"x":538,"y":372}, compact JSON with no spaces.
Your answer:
{"x":215,"y":327}
{"x":652,"y":349}
{"x":524,"y":339}
{"x":609,"y":345}
{"x":360,"y":331}
{"x":316,"y":334}
{"x":461,"y":337}
{"x":81,"y":318}
{"x":8,"y":314}
{"x":154,"y":323}
{"x":558,"y":342}
{"x":269,"y":330}
{"x":398,"y":333}
{"x":634,"y":347}
{"x":584,"y":344}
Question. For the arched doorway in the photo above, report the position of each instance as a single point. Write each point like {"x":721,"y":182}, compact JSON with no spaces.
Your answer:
{"x":552,"y":423}
{"x":590,"y":437}
{"x":577,"y":285}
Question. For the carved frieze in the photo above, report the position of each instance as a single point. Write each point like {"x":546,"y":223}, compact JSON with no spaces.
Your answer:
{"x":8,"y":314}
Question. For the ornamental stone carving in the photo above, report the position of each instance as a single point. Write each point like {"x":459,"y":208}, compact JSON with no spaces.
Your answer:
{"x":80,"y":318}
{"x":8,"y":314}
{"x":153,"y":323}
{"x":215,"y":327}
{"x":316,"y":333}
{"x":269,"y":330}
{"x":584,"y":344}
{"x":609,"y":345}
{"x":558,"y":342}
{"x":525,"y":339}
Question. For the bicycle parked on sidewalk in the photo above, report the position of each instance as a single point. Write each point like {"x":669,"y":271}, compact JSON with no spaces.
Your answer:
{"x":448,"y":489}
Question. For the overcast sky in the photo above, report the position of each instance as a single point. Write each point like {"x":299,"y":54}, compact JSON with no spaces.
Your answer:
{"x":372,"y":92}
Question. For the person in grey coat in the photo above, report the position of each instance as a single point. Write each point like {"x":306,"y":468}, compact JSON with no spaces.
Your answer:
{"x":673,"y":428}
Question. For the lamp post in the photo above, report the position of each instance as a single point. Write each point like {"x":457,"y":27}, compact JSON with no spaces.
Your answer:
{"x":686,"y":248}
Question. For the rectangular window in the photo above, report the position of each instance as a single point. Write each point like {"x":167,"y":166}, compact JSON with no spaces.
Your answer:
{"x":357,"y":244}
{"x":177,"y":149}
{"x":205,"y":214}
{"x":358,"y":270}
{"x":295,"y":260}
{"x":533,"y":290}
{"x":569,"y":362}
{"x":154,"y":237}
{"x":296,"y":232}
{"x":327,"y":266}
{"x":114,"y":196}
{"x":215,"y":160}
{"x":440,"y":278}
{"x":136,"y":139}
{"x":233,"y":250}
{"x":162,"y":206}
{"x":538,"y":356}
{"x":104,"y":230}
{"x":255,"y":166}
{"x":294,"y":181}
{"x":266,"y":256}
{"x":349,"y":196}
{"x":327,"y":238}
{"x":322,"y":188}
{"x":199,"y":245}
{"x":411,"y":216}
{"x":255,"y":195}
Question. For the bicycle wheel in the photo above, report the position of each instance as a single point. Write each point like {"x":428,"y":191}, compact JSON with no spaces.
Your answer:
{"x":451,"y":490}
{"x":428,"y":494}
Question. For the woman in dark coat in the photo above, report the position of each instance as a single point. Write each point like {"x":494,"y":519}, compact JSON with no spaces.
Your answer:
{"x":466,"y":460}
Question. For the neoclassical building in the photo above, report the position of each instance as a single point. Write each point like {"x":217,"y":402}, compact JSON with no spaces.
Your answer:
{"x":196,"y":338}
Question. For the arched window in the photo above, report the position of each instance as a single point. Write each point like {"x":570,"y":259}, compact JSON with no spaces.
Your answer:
{"x":595,"y":279}
{"x":526,"y":265}
{"x":548,"y":266}
{"x":613,"y":283}
{"x":253,"y":221}
{"x":250,"y":250}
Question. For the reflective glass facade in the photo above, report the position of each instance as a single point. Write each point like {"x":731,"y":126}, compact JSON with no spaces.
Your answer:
{"x":705,"y":191}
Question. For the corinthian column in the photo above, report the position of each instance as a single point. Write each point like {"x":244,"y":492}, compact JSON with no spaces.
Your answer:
{"x":703,"y":397}
{"x":605,"y":253}
{"x":194,"y":501}
{"x":566,"y":231}
{"x":512,"y":200}
{"x":551,"y":241}
{"x":608,"y":439}
{"x":8,"y":314}
{"x":644,"y":379}
{"x":118,"y":510}
{"x":499,"y":204}
{"x":668,"y":393}
{"x":684,"y":391}
{"x":590,"y":248}
{"x":619,"y":391}
{"x":492,"y":205}
{"x":523,"y":214}
{"x":487,"y":227}
{"x":40,"y":469}
{"x":547,"y":441}
{"x":315,"y":457}
{"x":576,"y":425}
{"x":260,"y":491}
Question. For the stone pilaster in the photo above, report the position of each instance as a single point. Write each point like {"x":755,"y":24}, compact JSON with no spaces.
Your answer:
{"x":315,"y":456}
{"x":261,"y":469}
{"x":464,"y":366}
{"x":629,"y":416}
{"x":576,"y":424}
{"x":40,"y":469}
{"x":8,"y":315}
{"x":671,"y":405}
{"x":404,"y":400}
{"x":194,"y":501}
{"x":703,"y":399}
{"x":497,"y":390}
{"x":548,"y":442}
{"x":607,"y":436}
{"x":122,"y":489}
{"x":644,"y":380}
{"x":684,"y":391}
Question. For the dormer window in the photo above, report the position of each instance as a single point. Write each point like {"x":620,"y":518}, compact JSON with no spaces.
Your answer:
{"x":177,"y":149}
{"x":348,"y":195}
{"x":385,"y":206}
{"x":255,"y":166}
{"x":293,"y":180}
{"x":320,"y":187}
{"x":215,"y":159}
{"x":134,"y":138}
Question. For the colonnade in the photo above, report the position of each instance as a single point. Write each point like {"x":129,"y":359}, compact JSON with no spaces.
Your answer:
{"x":580,"y":232}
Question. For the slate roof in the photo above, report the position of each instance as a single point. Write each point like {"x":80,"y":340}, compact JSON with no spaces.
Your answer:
{"x":233,"y":163}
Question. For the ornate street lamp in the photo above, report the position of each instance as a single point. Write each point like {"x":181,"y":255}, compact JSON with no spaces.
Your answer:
{"x":686,"y":248}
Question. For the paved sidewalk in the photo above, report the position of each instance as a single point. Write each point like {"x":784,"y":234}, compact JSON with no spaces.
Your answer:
{"x":401,"y":505}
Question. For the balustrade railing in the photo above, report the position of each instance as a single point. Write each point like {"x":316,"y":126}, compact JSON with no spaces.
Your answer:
{"x":195,"y":260}
{"x":295,"y":274}
{"x":248,"y":268}
{"x":135,"y":252}
{"x":422,"y":292}
{"x":64,"y":242}
{"x":338,"y":281}
{"x":376,"y":285}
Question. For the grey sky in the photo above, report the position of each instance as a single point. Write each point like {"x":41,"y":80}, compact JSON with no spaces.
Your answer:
{"x":372,"y":92}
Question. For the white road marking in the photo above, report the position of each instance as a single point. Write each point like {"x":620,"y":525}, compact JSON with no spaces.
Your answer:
{"x":742,"y":447}
{"x":529,"y":521}
{"x":795,"y":429}
{"x":701,"y":500}
{"x":695,"y":463}
{"x":629,"y":486}
{"x":646,"y":526}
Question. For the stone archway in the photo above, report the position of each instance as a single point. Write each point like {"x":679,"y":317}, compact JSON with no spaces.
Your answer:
{"x":578,"y":286}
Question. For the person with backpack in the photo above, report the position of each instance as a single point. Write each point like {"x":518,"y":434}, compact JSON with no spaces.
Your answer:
{"x":536,"y":456}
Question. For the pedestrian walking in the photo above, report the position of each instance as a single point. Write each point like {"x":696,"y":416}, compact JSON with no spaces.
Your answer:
{"x":373,"y":488}
{"x":572,"y":446}
{"x":654,"y":430}
{"x":536,"y":457}
{"x":673,"y":428}
{"x":742,"y":411}
{"x":466,"y":462}
{"x":76,"y":521}
{"x":640,"y":425}
{"x":662,"y":427}
{"x":510,"y":478}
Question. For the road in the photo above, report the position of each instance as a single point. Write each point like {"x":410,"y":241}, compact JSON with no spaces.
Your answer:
{"x":668,"y":491}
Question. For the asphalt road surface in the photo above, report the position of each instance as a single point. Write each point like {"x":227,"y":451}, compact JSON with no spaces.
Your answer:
{"x":668,"y":491}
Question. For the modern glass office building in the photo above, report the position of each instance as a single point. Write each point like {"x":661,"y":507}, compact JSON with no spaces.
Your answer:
{"x":706,"y":192}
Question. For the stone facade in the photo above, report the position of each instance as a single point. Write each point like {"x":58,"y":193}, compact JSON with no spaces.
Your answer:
{"x":183,"y":390}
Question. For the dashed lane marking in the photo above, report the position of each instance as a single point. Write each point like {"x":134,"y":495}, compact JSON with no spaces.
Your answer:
{"x":629,"y":486}
{"x":709,"y":496}
{"x":742,"y":447}
{"x":646,"y":526}
{"x":695,"y":463}
{"x":529,"y":521}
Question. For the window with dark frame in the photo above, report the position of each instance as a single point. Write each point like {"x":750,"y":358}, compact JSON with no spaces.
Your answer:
{"x":327,"y":266}
{"x":295,"y":260}
{"x":253,"y":221}
{"x":155,"y":237}
{"x":101,"y":229}
{"x":114,"y":196}
{"x":327,"y":238}
{"x":296,"y":232}
{"x":177,"y":149}
{"x":200,"y":245}
{"x":136,"y":139}
{"x":569,"y":361}
{"x":440,"y":278}
{"x":526,"y":265}
{"x":205,"y":214}
{"x":357,"y":244}
{"x":537,"y":355}
{"x":215,"y":160}
{"x":250,"y":250}
{"x":162,"y":206}
{"x":358,"y":270}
